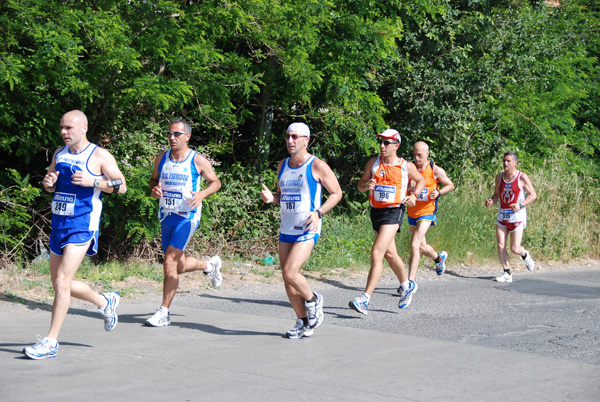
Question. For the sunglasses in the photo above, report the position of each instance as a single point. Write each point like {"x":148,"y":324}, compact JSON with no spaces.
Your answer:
{"x":295,"y":136}
{"x":175,"y":133}
{"x":388,"y":142}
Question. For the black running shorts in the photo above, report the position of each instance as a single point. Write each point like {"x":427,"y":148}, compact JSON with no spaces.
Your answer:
{"x":387,"y":216}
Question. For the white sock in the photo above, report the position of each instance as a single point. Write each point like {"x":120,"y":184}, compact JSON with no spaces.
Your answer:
{"x":164,"y":309}
{"x":405,"y":285}
{"x":52,"y":342}
{"x":366,"y":296}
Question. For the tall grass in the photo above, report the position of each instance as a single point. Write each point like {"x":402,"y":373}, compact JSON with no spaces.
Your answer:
{"x":563,"y":224}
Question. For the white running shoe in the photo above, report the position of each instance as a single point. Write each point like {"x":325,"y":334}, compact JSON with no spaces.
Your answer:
{"x":160,"y":319}
{"x":440,"y":267}
{"x":529,"y":263}
{"x":299,"y":330}
{"x":506,"y":277}
{"x":109,"y":313}
{"x":406,"y":295}
{"x":41,"y":349}
{"x":360,"y":304}
{"x":315,"y":311}
{"x":215,"y":275}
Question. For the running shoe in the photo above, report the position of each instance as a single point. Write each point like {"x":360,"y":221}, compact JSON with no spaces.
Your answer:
{"x":160,"y":319}
{"x":299,"y":330}
{"x":215,"y":275}
{"x":360,"y":304}
{"x":109,"y":313}
{"x":529,"y":263}
{"x":315,"y":311}
{"x":41,"y":349}
{"x":440,"y":267}
{"x":406,"y":295}
{"x":506,"y":277}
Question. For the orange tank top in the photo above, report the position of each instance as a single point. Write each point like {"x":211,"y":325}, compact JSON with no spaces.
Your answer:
{"x":391,"y":182}
{"x":425,"y":205}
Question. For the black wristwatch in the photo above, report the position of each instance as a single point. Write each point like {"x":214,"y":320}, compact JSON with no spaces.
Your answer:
{"x":319,"y":213}
{"x":115,"y":184}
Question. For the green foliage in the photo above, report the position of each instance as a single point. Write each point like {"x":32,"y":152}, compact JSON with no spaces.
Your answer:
{"x":237,"y":216}
{"x":16,"y":194}
{"x":472,"y":78}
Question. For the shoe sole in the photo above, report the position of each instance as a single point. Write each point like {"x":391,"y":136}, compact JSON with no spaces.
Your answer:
{"x":36,"y":357}
{"x":443,"y":269}
{"x":218,"y":265}
{"x":303,"y":335}
{"x":117,"y":302}
{"x":149,"y":324}
{"x":355,"y":308}
{"x":320,"y":315}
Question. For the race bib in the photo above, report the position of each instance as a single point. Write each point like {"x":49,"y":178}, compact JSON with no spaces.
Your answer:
{"x":170,"y":199}
{"x":507,"y":215}
{"x":384,"y":193}
{"x":424,"y":196}
{"x":63,"y":204}
{"x":289,"y":202}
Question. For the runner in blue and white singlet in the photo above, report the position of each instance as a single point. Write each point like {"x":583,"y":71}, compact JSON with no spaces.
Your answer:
{"x":300,"y":194}
{"x":178,"y":180}
{"x":301,"y":178}
{"x":78,"y":174}
{"x":74,"y":206}
{"x":176,"y":183}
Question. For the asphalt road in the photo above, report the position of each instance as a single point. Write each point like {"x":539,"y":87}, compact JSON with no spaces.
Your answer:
{"x":463,"y":338}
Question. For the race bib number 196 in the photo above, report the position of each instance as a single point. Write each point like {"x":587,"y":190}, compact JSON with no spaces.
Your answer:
{"x":63,"y":204}
{"x":384,"y":193}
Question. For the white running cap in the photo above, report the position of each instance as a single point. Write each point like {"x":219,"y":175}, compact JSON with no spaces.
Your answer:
{"x":299,"y":127}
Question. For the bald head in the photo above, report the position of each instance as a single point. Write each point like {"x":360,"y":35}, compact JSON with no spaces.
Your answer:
{"x":76,"y":116}
{"x":73,"y":128}
{"x":422,"y":146}
{"x":421,"y":152}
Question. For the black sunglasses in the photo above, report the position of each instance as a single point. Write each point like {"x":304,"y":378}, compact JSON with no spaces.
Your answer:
{"x":175,"y":133}
{"x":388,"y":142}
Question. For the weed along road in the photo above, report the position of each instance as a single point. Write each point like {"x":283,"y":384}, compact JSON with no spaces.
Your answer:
{"x":464,"y":337}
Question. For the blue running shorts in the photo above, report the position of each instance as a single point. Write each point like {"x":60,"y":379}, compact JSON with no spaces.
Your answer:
{"x":430,"y":218}
{"x":177,"y":231}
{"x":60,"y":238}
{"x":286,"y":238}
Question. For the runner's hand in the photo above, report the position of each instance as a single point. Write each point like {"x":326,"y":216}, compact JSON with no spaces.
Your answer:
{"x":50,"y":179}
{"x":266,"y":194}
{"x":156,"y":191}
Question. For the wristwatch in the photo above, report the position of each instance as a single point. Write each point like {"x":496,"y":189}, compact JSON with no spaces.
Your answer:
{"x":319,"y":213}
{"x":115,"y":184}
{"x":96,"y":183}
{"x":521,"y":206}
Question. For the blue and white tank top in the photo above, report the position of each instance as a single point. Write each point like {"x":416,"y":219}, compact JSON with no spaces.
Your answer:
{"x":74,"y":206}
{"x":177,"y":181}
{"x":300,"y":194}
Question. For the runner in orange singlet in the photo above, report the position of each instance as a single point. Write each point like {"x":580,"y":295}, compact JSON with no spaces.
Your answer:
{"x":423,"y":214}
{"x":386,"y":179}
